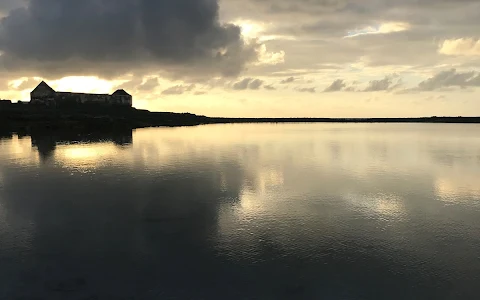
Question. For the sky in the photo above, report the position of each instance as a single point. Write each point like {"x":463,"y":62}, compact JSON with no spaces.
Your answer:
{"x":251,"y":58}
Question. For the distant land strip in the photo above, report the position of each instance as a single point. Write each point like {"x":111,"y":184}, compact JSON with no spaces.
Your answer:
{"x":26,"y":118}
{"x":350,"y":120}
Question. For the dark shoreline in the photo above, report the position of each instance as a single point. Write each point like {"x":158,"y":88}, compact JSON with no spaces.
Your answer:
{"x":25,"y":119}
{"x":470,"y":120}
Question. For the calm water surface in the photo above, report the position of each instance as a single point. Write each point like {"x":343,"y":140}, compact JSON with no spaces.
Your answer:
{"x":297,"y":211}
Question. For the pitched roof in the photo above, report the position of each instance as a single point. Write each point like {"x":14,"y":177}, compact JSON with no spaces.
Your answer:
{"x":120,"y":93}
{"x":44,"y":85}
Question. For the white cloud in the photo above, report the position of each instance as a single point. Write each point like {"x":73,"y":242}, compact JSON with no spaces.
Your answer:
{"x":269,"y":58}
{"x":385,"y":28}
{"x":463,"y":47}
{"x":254,"y":33}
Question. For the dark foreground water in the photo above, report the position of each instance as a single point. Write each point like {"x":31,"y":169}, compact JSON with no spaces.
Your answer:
{"x":328,"y":211}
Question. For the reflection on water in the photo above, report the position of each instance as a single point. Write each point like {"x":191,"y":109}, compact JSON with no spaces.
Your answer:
{"x":294,"y":211}
{"x":46,"y":143}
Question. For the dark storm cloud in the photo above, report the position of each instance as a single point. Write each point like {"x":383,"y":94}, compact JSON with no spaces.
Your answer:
{"x":248,"y":83}
{"x":336,"y":86}
{"x":181,"y":37}
{"x":8,"y":5}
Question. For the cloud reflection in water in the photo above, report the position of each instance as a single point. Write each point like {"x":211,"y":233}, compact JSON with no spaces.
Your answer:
{"x":302,"y":211}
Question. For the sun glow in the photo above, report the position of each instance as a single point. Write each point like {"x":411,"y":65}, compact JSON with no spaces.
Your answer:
{"x":85,"y":84}
{"x":250,"y":29}
{"x":16,"y":82}
{"x":258,"y":31}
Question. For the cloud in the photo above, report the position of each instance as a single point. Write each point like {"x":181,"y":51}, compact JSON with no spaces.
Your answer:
{"x":178,"y":89}
{"x":307,"y":90}
{"x":389,"y":83}
{"x":384,"y":28}
{"x":269,"y":87}
{"x":140,"y":83}
{"x":449,"y":78}
{"x":288,"y":80}
{"x":8,"y":5}
{"x":4,"y":86}
{"x":183,"y":38}
{"x":248,"y":83}
{"x":475,"y":81}
{"x":435,"y":98}
{"x":269,"y":58}
{"x":148,"y":85}
{"x":281,"y":7}
{"x":255,"y":84}
{"x":242,"y":85}
{"x":26,"y":84}
{"x":387,"y":26}
{"x":132,"y":84}
{"x":379,"y":85}
{"x":336,"y":86}
{"x":224,"y":38}
{"x":385,"y":84}
{"x":464,"y":46}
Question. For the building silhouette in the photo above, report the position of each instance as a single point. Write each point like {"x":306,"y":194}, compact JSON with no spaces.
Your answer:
{"x":43,"y":94}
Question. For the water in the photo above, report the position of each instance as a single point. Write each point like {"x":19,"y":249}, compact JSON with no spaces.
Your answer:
{"x":295,"y":211}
